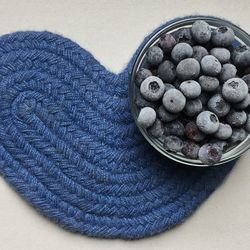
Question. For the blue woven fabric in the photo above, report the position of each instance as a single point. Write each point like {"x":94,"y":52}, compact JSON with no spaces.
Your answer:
{"x":69,"y":145}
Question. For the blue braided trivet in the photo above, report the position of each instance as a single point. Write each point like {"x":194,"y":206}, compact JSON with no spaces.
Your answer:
{"x":69,"y":145}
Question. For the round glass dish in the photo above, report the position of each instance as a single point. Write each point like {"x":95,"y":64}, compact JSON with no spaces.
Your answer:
{"x":241,"y":37}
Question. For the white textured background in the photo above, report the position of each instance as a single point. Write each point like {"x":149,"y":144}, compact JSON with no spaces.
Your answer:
{"x":112,"y":30}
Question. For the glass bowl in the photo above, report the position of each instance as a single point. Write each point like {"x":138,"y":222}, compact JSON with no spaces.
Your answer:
{"x":241,"y":37}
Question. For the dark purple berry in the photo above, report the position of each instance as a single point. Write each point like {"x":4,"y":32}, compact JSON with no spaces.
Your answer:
{"x":204,"y":97}
{"x":247,"y":71}
{"x":167,"y":42}
{"x":174,"y":128}
{"x":142,"y":103}
{"x":173,"y":143}
{"x":177,"y":82}
{"x":190,"y":149}
{"x":167,"y":71}
{"x":193,"y":133}
{"x":183,"y":35}
{"x":166,"y":116}
{"x":193,"y":107}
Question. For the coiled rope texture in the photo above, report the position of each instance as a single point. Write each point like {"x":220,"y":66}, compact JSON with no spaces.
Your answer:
{"x":69,"y":146}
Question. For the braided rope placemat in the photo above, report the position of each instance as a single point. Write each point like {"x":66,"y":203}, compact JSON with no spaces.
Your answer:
{"x":69,"y":145}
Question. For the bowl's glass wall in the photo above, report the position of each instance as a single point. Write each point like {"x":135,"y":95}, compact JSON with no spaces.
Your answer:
{"x":241,"y":38}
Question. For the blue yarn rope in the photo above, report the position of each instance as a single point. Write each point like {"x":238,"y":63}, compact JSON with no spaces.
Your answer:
{"x":69,"y":145}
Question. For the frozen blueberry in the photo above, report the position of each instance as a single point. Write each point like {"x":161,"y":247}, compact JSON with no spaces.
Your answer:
{"x":218,"y":90}
{"x":208,"y":83}
{"x":190,"y":88}
{"x":218,"y":105}
{"x":168,"y":86}
{"x":174,"y":101}
{"x":247,"y":70}
{"x":201,"y":31}
{"x":193,"y":133}
{"x":222,"y":54}
{"x":188,"y":69}
{"x":141,"y":75}
{"x":141,"y":102}
{"x":238,"y":135}
{"x":224,"y":131}
{"x":236,"y":118}
{"x":167,"y":42}
{"x":199,"y":52}
{"x":154,"y":71}
{"x":247,"y":125}
{"x":207,"y":122}
{"x":147,"y":117}
{"x":185,"y":119}
{"x":173,"y":143}
{"x":243,"y":104}
{"x":157,"y":130}
{"x":177,"y":82}
{"x":166,"y":116}
{"x":228,"y":71}
{"x":166,"y":71}
{"x":183,"y":35}
{"x":210,"y":65}
{"x":222,"y":144}
{"x":222,"y":36}
{"x":193,"y":107}
{"x":204,"y":97}
{"x":234,"y":90}
{"x":190,"y":149}
{"x":210,"y":153}
{"x":154,"y":55}
{"x":152,"y":88}
{"x":246,"y":79}
{"x":174,"y":128}
{"x":241,"y":56}
{"x":181,"y":51}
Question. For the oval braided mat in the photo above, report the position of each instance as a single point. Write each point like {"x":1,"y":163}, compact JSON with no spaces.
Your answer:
{"x":69,"y":145}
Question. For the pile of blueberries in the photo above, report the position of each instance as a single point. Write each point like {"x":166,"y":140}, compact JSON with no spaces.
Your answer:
{"x":193,"y":92}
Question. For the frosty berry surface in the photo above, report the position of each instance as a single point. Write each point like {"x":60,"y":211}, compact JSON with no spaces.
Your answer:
{"x":206,"y":58}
